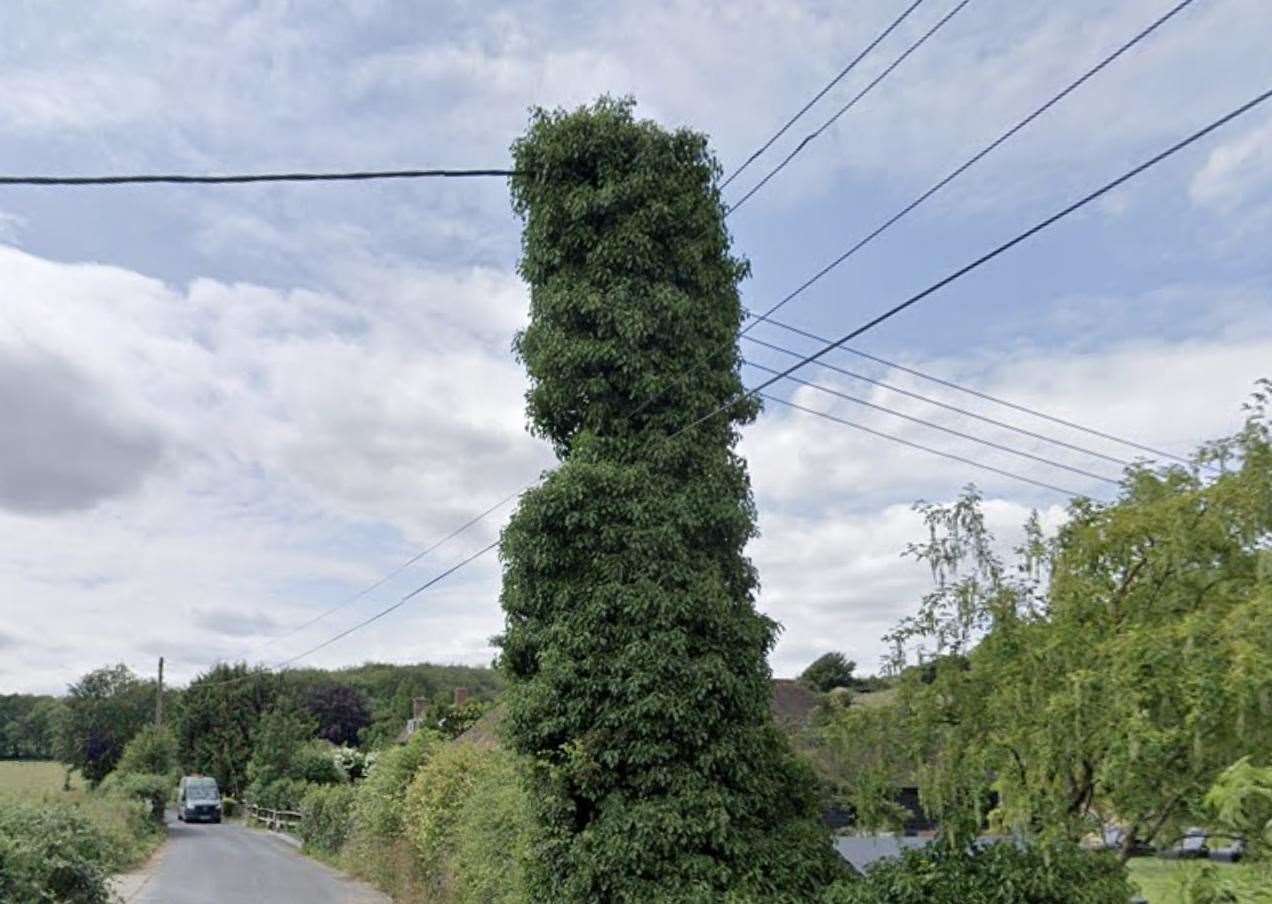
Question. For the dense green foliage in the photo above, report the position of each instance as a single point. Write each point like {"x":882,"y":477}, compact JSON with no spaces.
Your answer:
{"x":220,"y":713}
{"x":435,"y":821}
{"x":989,"y":874}
{"x":492,"y":844}
{"x":388,"y":690}
{"x":151,"y":750}
{"x":639,"y":685}
{"x":339,"y":711}
{"x":61,"y":849}
{"x":327,"y":817}
{"x":1111,"y":675}
{"x":29,"y":726}
{"x":51,"y":854}
{"x":104,"y":709}
{"x":828,"y":671}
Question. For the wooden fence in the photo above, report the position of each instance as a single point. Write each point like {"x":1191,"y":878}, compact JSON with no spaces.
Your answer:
{"x":274,"y":820}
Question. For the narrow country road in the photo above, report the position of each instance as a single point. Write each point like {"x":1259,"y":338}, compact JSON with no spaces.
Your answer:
{"x":230,"y":864}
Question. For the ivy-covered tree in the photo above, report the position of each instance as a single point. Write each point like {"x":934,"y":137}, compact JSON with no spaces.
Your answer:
{"x":639,"y":684}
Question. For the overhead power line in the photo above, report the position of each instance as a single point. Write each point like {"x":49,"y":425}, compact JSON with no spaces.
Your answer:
{"x":935,"y":426}
{"x":871,"y":324}
{"x":399,"y":604}
{"x":399,"y":569}
{"x":176,"y":179}
{"x":939,"y":404}
{"x":988,"y":256}
{"x":972,"y":161}
{"x":811,"y":136}
{"x":286,"y":663}
{"x":1016,"y":406}
{"x":913,"y":445}
{"x":822,"y":93}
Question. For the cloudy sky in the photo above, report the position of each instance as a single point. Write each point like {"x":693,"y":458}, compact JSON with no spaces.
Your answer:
{"x":224,"y":410}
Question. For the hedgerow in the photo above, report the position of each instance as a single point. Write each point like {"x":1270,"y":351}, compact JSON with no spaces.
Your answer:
{"x":1002,"y":873}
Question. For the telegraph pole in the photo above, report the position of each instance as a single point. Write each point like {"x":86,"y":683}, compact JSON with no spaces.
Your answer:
{"x":159,"y":698}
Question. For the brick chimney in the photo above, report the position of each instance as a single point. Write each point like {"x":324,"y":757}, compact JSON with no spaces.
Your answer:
{"x":418,"y":705}
{"x":461,"y":696}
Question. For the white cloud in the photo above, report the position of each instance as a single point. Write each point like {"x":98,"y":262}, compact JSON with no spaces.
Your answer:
{"x":1237,"y":172}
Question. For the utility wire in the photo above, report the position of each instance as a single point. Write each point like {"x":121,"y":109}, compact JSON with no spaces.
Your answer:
{"x":980,"y":155}
{"x":937,"y":402}
{"x":988,"y":256}
{"x":286,"y":663}
{"x":256,"y":177}
{"x":871,"y":324}
{"x":401,"y":568}
{"x":905,"y":442}
{"x":822,"y":93}
{"x":1025,"y":409}
{"x":846,"y":107}
{"x":399,"y":604}
{"x":935,"y":426}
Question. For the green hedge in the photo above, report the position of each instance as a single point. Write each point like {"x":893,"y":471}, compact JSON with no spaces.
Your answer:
{"x":61,"y":851}
{"x":327,"y":817}
{"x":152,"y":790}
{"x":989,"y":874}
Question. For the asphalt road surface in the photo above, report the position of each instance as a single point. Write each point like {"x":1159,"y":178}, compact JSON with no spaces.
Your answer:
{"x":230,"y":864}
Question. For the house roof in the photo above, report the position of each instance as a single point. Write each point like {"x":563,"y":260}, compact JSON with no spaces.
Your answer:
{"x":792,"y":706}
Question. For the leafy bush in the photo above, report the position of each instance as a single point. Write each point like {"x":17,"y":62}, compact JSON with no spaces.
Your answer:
{"x":327,"y":817}
{"x":382,"y":794}
{"x":493,"y":835}
{"x":828,"y":671}
{"x":315,"y":762}
{"x":152,"y":790}
{"x":51,"y":853}
{"x":377,"y":849}
{"x":353,"y":764}
{"x":152,"y":751}
{"x":279,"y":794}
{"x":56,"y":851}
{"x":989,"y":874}
{"x":434,"y":801}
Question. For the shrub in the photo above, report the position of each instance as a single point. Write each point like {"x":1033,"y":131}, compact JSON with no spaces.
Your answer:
{"x":152,"y":751}
{"x":152,"y":790}
{"x":315,"y":762}
{"x":51,"y":854}
{"x":989,"y":874}
{"x":279,"y":794}
{"x":377,"y":849}
{"x":327,"y":817}
{"x":493,"y":835}
{"x":433,"y":803}
{"x":382,"y":794}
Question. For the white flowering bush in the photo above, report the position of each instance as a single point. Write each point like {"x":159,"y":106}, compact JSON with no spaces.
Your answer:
{"x":352,"y":763}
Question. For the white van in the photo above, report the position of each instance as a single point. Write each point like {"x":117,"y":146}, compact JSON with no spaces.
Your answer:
{"x":198,"y":799}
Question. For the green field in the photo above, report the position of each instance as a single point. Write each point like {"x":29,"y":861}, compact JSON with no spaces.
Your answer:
{"x":1159,"y":880}
{"x":34,"y":777}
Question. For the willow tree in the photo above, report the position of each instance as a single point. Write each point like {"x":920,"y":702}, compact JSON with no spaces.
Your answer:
{"x":639,"y":685}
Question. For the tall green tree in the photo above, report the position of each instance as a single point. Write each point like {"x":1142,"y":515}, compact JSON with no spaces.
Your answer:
{"x":639,"y":684}
{"x":104,"y":709}
{"x":1115,"y":670}
{"x":219,"y":716}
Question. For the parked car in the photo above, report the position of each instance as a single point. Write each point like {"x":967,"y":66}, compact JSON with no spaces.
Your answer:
{"x":198,"y":799}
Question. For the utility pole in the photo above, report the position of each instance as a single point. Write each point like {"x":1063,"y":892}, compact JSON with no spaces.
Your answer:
{"x":159,"y":698}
